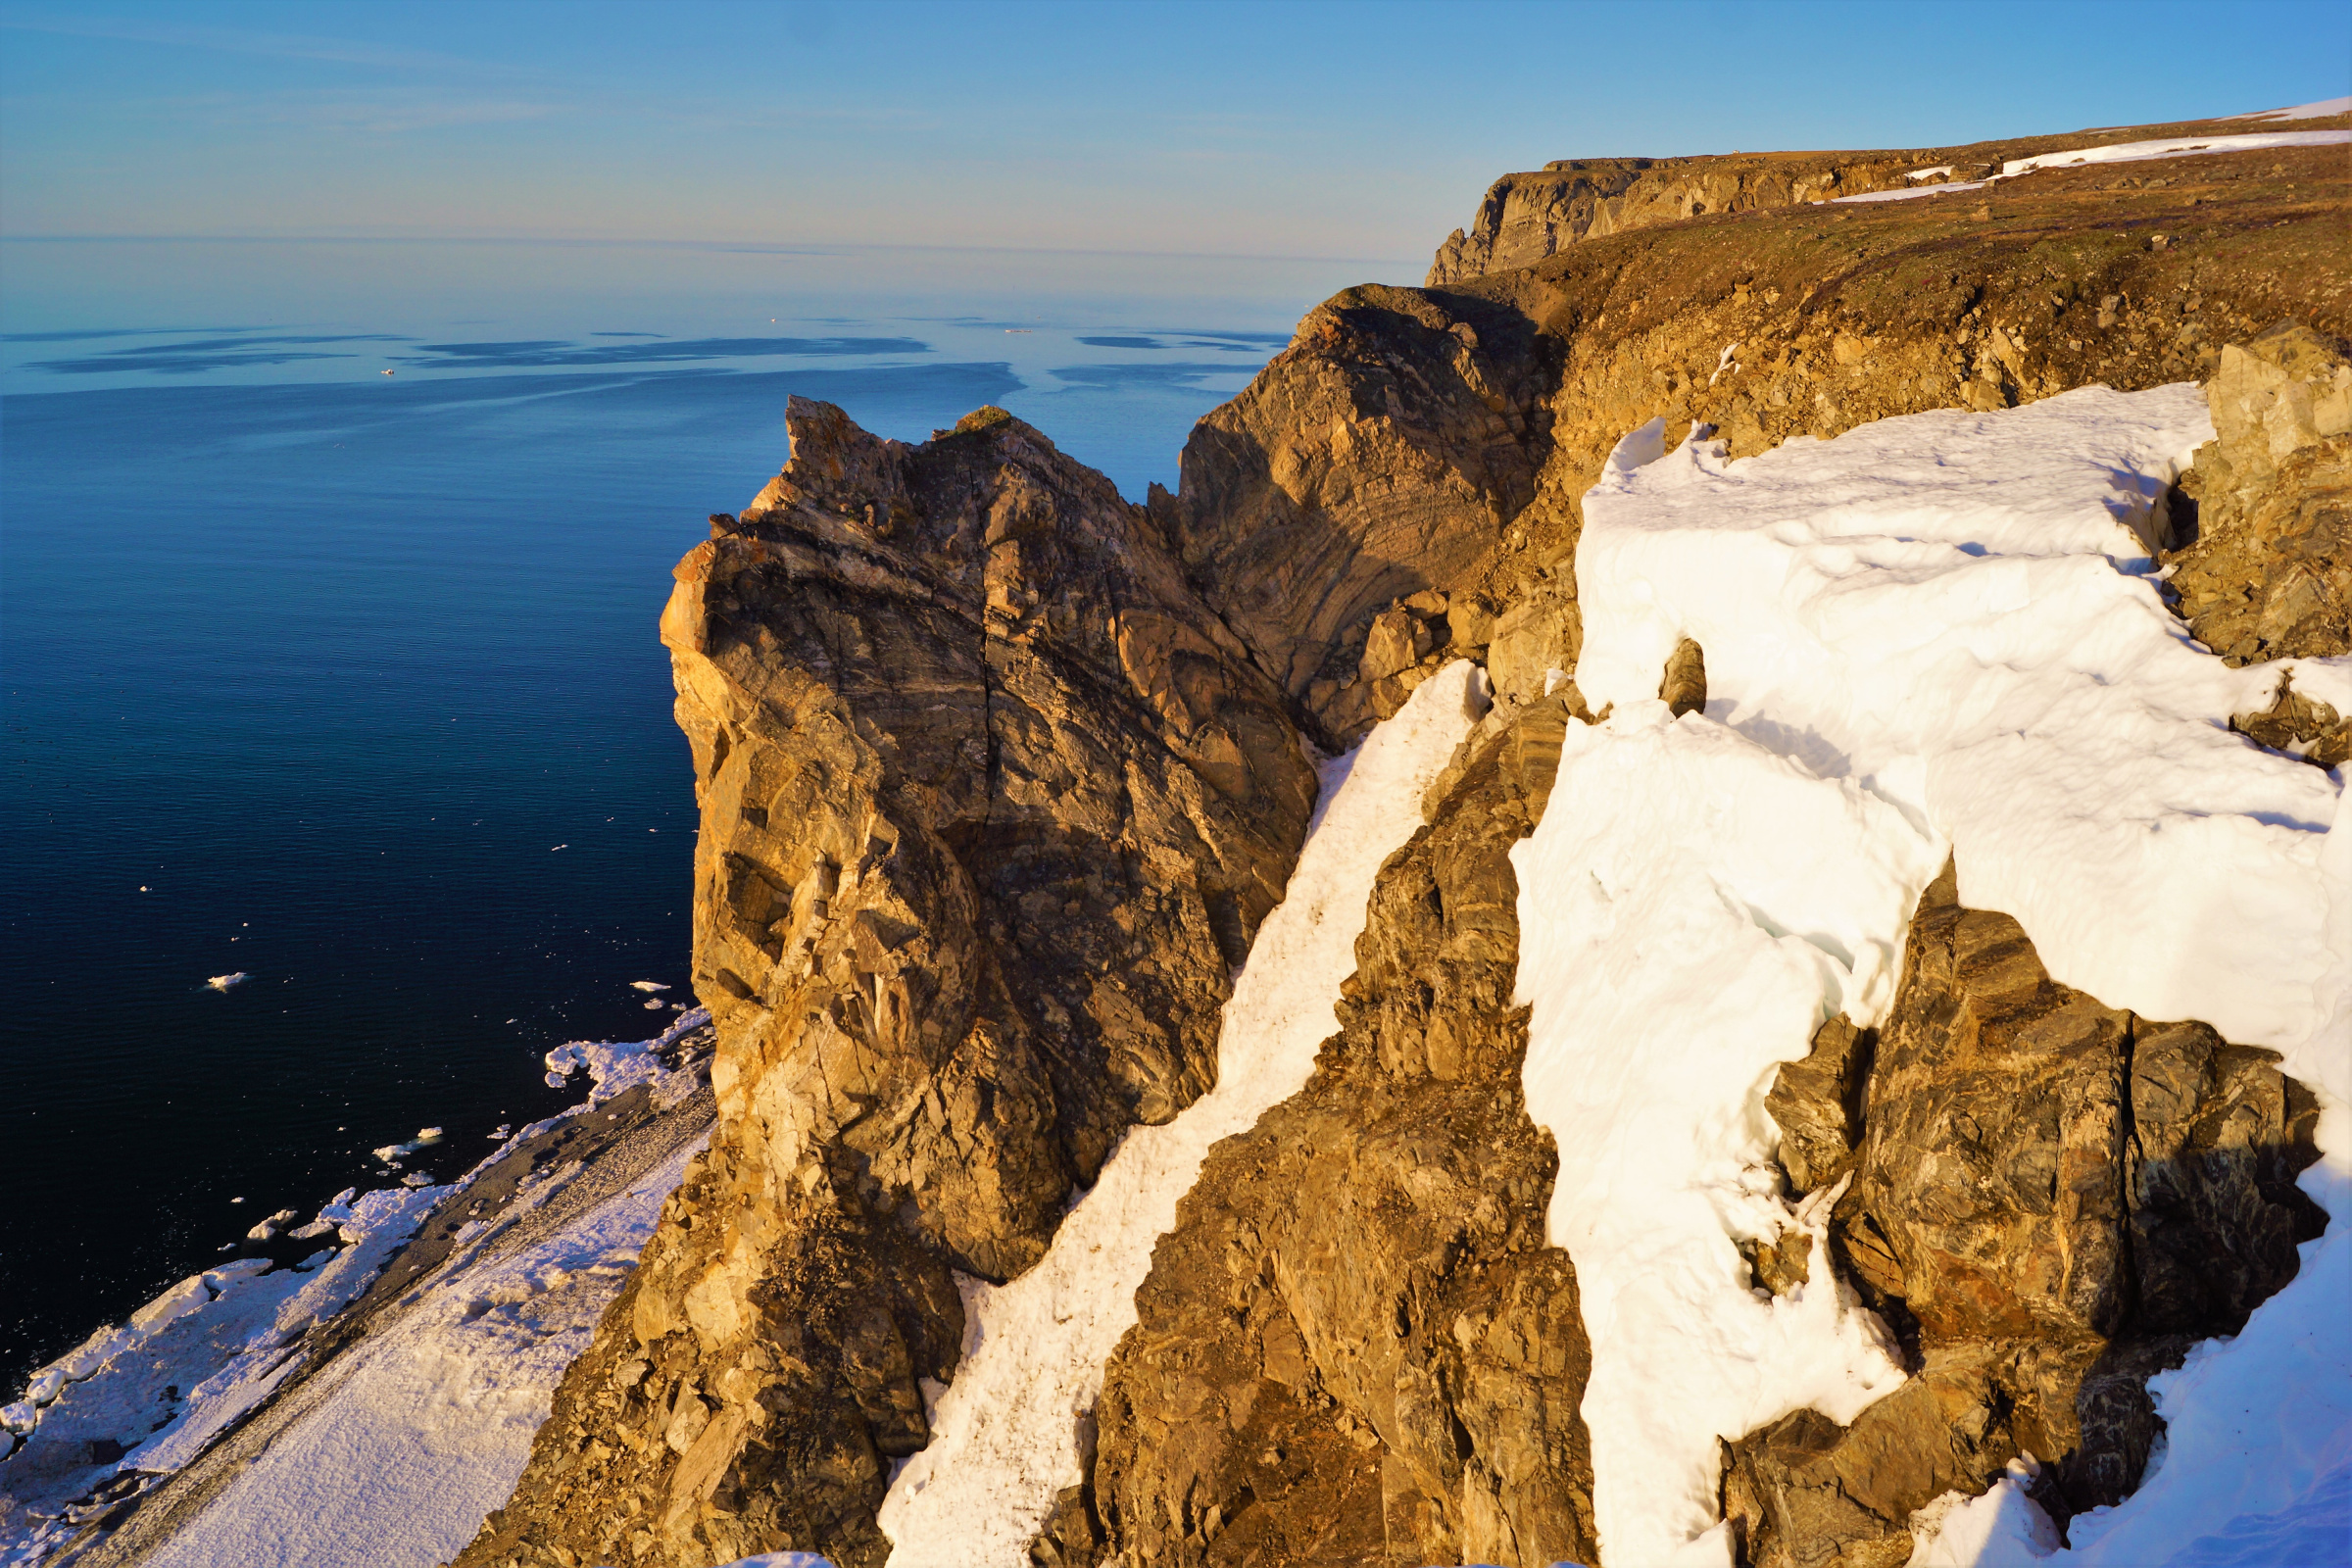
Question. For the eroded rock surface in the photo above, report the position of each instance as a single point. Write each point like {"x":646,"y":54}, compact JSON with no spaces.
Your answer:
{"x":1357,"y":1346}
{"x":1000,"y":773}
{"x":1381,"y":454}
{"x":1526,"y":218}
{"x":2270,"y":574}
{"x":2051,"y":1200}
{"x":991,"y":805}
{"x":1438,"y":442}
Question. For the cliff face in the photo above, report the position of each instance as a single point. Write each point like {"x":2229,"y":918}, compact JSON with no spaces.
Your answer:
{"x":990,"y":806}
{"x":1405,"y":1383}
{"x":999,"y":774}
{"x":1528,"y":216}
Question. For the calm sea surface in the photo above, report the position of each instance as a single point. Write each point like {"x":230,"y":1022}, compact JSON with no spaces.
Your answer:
{"x":349,"y":682}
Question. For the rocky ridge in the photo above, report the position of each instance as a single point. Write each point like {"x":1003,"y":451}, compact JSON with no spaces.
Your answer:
{"x":1354,"y":1345}
{"x":1526,"y":218}
{"x":992,"y":807}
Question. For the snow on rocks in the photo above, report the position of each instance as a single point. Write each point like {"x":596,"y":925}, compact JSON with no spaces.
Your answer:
{"x":2134,"y":152}
{"x":427,"y":1425}
{"x":1950,"y":619}
{"x":1691,"y":908}
{"x":1006,"y":1434}
{"x":2124,"y":152}
{"x":1959,"y":613}
{"x":142,"y":1399}
{"x":613,"y":1066}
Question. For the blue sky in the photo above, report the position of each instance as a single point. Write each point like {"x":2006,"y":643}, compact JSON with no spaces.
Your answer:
{"x":1280,"y":129}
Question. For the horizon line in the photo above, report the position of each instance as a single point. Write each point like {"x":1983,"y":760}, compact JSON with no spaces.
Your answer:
{"x":752,"y":246}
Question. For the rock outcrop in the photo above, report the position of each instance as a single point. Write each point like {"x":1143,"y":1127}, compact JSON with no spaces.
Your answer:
{"x":999,"y":774}
{"x":2269,"y":573}
{"x":1528,"y":216}
{"x":1357,"y":1346}
{"x":1377,"y":460}
{"x":991,"y":805}
{"x":2050,"y":1200}
{"x":1420,"y":456}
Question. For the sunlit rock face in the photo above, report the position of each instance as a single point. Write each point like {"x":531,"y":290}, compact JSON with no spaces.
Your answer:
{"x":1001,"y":773}
{"x":991,"y":808}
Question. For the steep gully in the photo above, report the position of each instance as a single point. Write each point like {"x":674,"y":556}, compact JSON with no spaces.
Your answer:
{"x":1000,"y":773}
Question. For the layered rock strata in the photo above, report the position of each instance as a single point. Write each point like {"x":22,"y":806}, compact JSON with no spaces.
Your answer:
{"x":1355,"y":1346}
{"x":2049,"y":1200}
{"x":1418,"y":457}
{"x":991,"y":808}
{"x":1528,"y":216}
{"x":999,"y":773}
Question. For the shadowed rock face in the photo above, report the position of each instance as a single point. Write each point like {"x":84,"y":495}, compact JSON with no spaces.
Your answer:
{"x":1404,"y":482}
{"x":1382,"y":453}
{"x":991,"y":805}
{"x":1356,"y":1346}
{"x":2052,"y":1200}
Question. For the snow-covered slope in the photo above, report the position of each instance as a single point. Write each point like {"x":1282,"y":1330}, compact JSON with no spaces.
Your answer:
{"x":1007,"y":1434}
{"x":1936,"y":633}
{"x":402,"y":1436}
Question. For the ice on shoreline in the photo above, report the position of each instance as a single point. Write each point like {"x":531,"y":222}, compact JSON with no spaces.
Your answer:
{"x":138,"y":1402}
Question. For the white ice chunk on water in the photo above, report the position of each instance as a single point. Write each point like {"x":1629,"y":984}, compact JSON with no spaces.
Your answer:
{"x":402,"y":1150}
{"x":221,"y":982}
{"x":647,"y":985}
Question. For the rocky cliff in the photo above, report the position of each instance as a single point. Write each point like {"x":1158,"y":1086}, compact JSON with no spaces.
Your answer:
{"x":999,"y":773}
{"x":1526,"y":218}
{"x":992,"y":807}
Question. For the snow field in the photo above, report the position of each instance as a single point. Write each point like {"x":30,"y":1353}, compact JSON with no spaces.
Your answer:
{"x":201,"y":1354}
{"x":1691,"y":908}
{"x":1948,"y":621}
{"x":2128,"y":152}
{"x":429,"y":1425}
{"x":1008,"y":1434}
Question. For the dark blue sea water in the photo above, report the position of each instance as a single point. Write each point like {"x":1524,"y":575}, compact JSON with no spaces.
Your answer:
{"x":350,"y":683}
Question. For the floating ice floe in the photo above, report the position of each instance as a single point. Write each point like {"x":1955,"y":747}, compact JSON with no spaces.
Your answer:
{"x":221,"y":982}
{"x":392,"y":1153}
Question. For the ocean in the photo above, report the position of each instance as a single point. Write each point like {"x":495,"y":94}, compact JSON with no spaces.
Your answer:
{"x":348,"y":683}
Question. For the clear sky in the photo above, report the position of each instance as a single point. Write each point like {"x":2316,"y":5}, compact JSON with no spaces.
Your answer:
{"x":1274,"y":129}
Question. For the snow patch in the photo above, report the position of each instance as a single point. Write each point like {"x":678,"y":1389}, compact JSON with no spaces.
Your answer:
{"x":2126,"y":152}
{"x":1956,"y":616}
{"x":2325,"y":109}
{"x":1691,"y":908}
{"x":155,"y":1392}
{"x":1007,"y":1434}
